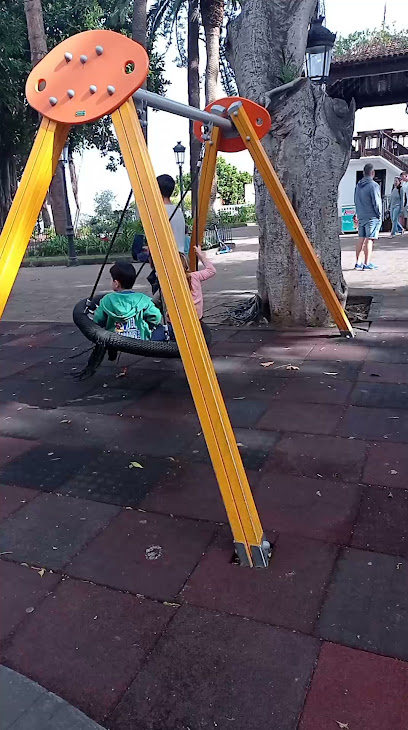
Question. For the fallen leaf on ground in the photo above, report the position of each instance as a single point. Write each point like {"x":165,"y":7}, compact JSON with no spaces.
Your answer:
{"x":393,"y":471}
{"x":329,"y":373}
{"x":65,"y":420}
{"x":241,"y":397}
{"x":292,"y":367}
{"x":41,"y":572}
{"x":135,"y":465}
{"x":343,"y":725}
{"x":122,"y":374}
{"x":267,"y":364}
{"x":173,"y":605}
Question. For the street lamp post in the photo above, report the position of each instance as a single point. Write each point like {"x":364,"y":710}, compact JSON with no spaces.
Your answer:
{"x":320,"y":42}
{"x":72,"y":256}
{"x":179,"y":153}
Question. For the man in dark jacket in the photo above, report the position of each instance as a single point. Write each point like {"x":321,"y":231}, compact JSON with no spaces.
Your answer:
{"x":367,"y":199}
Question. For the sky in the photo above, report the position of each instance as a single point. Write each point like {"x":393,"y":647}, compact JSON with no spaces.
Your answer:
{"x":165,"y":130}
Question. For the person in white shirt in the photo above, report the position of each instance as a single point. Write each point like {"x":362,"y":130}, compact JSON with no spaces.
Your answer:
{"x":177,"y":222}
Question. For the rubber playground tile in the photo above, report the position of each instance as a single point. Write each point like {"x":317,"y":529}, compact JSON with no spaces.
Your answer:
{"x":112,"y":402}
{"x":347,"y":351}
{"x":304,"y":417}
{"x":40,"y":339}
{"x":207,"y":670}
{"x":12,"y":498}
{"x":324,"y":389}
{"x":156,"y":436}
{"x":380,"y":372}
{"x":395,"y":325}
{"x":168,"y":405}
{"x":314,"y":508}
{"x":288,"y":593}
{"x":245,"y":412}
{"x":51,"y":530}
{"x":382,"y":523}
{"x":11,"y":367}
{"x":190,"y":490}
{"x":44,"y":467}
{"x":112,"y":477}
{"x":26,"y":329}
{"x":44,"y":394}
{"x":22,"y":588}
{"x":255,"y":447}
{"x":144,"y":553}
{"x":134,"y":380}
{"x":325,"y":457}
{"x":81,"y":629}
{"x":380,"y":395}
{"x":366,"y":604}
{"x":388,"y":353}
{"x":52,"y":370}
{"x":355,"y":689}
{"x":374,"y":423}
{"x":343,"y":369}
{"x":387,"y":465}
{"x":11,"y":449}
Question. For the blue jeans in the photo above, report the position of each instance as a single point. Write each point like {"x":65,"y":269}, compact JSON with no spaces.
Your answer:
{"x":396,"y":225}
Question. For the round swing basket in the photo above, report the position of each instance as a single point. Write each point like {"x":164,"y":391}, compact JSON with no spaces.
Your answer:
{"x":142,"y":348}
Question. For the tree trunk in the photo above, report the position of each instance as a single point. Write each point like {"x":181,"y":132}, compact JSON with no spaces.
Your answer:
{"x":309,"y":146}
{"x":212,"y":69}
{"x":8,"y":185}
{"x":139,"y":35}
{"x":38,"y":49}
{"x":193,"y":80}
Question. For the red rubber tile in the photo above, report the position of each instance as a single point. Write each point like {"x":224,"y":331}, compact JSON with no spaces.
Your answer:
{"x":382,"y":523}
{"x":215,"y":671}
{"x":380,"y":372}
{"x":12,"y":448}
{"x":327,"y":457}
{"x":86,"y":643}
{"x":353,"y":689}
{"x":387,"y":465}
{"x":191,"y":492}
{"x":288,"y":593}
{"x":301,"y":417}
{"x":324,"y":389}
{"x":350,"y":351}
{"x":314,"y":508}
{"x":144,"y":553}
{"x":12,"y":498}
{"x":22,"y":588}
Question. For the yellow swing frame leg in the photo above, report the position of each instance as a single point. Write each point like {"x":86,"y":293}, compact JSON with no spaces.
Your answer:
{"x":204,"y":192}
{"x":28,"y":201}
{"x":252,"y":548}
{"x":246,"y":131}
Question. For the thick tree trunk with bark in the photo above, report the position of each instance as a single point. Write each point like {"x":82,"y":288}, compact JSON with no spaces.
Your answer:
{"x":193,"y":79}
{"x":38,"y":49}
{"x":309,"y":146}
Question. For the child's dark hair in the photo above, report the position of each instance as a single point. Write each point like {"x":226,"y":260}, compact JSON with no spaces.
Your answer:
{"x":166,"y":185}
{"x":124,"y":273}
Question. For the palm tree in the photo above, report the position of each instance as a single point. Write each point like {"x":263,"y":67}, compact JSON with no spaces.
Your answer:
{"x":212,"y":15}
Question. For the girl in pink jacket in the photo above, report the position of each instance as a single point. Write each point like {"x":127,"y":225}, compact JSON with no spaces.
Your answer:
{"x":195,"y":278}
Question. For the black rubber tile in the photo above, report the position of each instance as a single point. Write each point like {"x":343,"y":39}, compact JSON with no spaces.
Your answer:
{"x":366,"y":605}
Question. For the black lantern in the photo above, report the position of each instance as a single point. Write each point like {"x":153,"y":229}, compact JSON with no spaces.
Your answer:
{"x":320,"y":42}
{"x":179,"y":153}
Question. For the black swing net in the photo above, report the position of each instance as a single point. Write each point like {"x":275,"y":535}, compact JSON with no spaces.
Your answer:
{"x":111,"y":342}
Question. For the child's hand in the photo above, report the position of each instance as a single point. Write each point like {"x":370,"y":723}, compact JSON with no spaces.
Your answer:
{"x":199,"y":252}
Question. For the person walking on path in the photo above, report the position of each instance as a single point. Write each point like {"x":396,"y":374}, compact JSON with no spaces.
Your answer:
{"x":367,"y":199}
{"x":396,"y":205}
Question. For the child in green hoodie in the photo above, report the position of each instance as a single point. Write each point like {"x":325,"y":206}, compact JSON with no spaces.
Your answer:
{"x":127,"y":312}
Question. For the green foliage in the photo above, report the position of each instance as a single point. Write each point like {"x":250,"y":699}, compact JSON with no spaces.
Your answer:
{"x":231,"y":182}
{"x":288,"y":71}
{"x":382,"y":38}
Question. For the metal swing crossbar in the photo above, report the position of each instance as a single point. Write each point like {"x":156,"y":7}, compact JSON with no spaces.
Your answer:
{"x":96,"y":73}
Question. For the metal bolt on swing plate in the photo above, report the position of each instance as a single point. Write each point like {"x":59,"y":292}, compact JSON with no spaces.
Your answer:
{"x":93,"y":89}
{"x":71,"y":93}
{"x":83,"y":58}
{"x":99,"y":50}
{"x":110,"y":89}
{"x":68,"y":57}
{"x":53,"y":100}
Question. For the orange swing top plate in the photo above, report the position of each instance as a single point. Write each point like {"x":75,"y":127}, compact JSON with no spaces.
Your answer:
{"x":232,"y":142}
{"x":87,"y":76}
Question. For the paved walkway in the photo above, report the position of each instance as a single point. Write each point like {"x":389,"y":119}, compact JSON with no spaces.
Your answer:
{"x":27,"y":706}
{"x":119,"y":590}
{"x":49,"y":294}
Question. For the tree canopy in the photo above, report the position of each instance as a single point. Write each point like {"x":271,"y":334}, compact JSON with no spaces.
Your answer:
{"x":383,"y":38}
{"x":230,"y":183}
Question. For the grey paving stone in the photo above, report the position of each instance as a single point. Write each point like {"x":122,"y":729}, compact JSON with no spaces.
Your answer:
{"x":25,"y":705}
